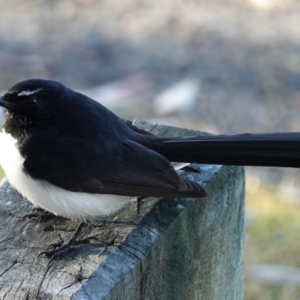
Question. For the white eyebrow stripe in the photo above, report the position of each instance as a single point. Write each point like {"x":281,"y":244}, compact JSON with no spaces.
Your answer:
{"x":28,"y":93}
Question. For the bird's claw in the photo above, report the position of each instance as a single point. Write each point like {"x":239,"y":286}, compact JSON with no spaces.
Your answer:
{"x":38,"y":214}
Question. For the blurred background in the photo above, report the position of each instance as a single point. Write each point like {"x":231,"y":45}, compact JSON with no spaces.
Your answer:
{"x":222,"y":66}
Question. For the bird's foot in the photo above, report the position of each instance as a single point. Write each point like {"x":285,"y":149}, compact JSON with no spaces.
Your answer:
{"x":59,"y":249}
{"x":39,"y":214}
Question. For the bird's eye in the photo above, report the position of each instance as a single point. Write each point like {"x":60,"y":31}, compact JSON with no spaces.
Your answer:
{"x":31,"y":101}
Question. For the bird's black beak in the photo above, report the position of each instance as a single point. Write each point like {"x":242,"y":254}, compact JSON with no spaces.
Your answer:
{"x":6,"y":104}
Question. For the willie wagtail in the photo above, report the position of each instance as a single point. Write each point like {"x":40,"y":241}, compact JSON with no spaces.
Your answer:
{"x":69,"y":155}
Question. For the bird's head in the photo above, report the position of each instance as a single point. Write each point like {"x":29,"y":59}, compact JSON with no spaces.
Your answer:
{"x":35,"y":98}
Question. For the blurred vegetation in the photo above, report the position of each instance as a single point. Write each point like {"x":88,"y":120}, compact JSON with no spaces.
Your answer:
{"x":272,"y":237}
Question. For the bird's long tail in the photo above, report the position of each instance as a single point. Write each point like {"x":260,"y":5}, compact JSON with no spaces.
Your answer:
{"x":270,"y":149}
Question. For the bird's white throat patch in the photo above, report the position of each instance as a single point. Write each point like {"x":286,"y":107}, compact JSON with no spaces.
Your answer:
{"x":28,"y":93}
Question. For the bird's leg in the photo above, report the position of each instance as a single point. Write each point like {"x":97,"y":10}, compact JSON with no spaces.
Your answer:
{"x":39,"y":214}
{"x":138,"y":204}
{"x":56,"y":250}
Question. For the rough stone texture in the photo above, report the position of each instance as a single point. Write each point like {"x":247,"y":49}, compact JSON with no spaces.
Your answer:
{"x":170,"y":249}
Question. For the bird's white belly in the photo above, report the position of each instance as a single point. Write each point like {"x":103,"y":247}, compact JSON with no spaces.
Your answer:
{"x":61,"y":202}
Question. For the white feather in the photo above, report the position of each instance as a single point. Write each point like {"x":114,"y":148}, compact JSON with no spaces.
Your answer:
{"x":50,"y":197}
{"x":179,"y":165}
{"x":28,"y":93}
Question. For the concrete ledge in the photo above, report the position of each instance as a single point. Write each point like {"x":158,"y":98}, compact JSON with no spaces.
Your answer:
{"x":171,"y":249}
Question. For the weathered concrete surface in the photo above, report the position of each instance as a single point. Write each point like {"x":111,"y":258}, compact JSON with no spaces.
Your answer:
{"x":171,"y":249}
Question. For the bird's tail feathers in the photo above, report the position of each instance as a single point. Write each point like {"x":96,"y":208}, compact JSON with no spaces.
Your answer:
{"x":270,"y":149}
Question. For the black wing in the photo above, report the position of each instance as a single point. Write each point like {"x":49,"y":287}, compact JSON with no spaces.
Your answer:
{"x":144,"y":172}
{"x":128,"y":169}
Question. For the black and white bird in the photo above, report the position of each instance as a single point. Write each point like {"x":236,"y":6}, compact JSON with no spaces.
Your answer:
{"x":69,"y":155}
